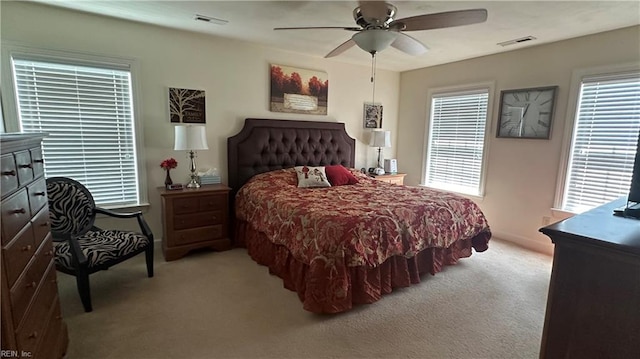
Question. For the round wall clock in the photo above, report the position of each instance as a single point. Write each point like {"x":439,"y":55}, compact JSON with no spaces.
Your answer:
{"x":526,"y":113}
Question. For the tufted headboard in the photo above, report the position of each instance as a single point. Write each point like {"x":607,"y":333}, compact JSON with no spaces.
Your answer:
{"x":266,"y":145}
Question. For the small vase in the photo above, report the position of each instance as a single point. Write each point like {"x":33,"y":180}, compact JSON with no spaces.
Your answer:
{"x":167,"y":179}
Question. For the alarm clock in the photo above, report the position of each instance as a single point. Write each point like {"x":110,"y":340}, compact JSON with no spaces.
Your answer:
{"x":391,"y":165}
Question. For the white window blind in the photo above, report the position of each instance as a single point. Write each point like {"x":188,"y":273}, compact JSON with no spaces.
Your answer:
{"x":456,"y":141}
{"x":88,"y":114}
{"x":604,"y":141}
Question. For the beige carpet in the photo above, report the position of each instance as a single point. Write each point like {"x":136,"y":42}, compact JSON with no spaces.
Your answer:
{"x":224,"y":305}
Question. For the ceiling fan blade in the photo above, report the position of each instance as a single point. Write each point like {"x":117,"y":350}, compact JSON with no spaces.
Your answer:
{"x":319,"y":27}
{"x":409,"y":45}
{"x":440,"y":20}
{"x":342,"y":48}
{"x":373,"y":10}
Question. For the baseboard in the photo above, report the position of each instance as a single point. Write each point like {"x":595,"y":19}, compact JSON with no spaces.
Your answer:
{"x":532,"y":244}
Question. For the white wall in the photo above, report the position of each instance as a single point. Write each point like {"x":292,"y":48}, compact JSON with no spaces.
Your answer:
{"x":521,"y":177}
{"x":235,"y":76}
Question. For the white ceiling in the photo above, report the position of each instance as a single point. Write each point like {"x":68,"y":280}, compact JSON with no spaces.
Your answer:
{"x":254,"y":21}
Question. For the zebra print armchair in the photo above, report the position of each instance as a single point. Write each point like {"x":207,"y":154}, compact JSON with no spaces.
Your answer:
{"x":81,"y":248}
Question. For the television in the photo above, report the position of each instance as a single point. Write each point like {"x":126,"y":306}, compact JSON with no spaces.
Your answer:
{"x":633,"y":200}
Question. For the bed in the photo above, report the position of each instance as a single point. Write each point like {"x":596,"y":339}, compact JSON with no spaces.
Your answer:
{"x":339,"y":246}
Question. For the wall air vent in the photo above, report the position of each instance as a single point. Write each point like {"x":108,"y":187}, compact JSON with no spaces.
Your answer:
{"x":516,"y":41}
{"x":210,"y":19}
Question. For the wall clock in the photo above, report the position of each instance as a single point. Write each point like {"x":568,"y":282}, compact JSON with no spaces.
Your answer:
{"x":526,"y":113}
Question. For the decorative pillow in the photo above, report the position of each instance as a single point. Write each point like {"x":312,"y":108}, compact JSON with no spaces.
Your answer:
{"x":309,"y":177}
{"x":338,"y":175}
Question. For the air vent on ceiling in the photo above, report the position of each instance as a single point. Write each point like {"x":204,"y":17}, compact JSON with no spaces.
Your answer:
{"x":516,"y":41}
{"x":210,"y":19}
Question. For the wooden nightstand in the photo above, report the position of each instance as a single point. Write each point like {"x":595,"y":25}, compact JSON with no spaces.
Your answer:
{"x":195,"y":218}
{"x":397,"y":178}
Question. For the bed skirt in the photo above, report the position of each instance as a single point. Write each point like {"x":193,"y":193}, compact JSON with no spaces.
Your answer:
{"x":337,"y":289}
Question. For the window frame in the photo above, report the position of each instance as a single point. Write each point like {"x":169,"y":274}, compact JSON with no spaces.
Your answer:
{"x":577,"y":76}
{"x":461,"y":89}
{"x":11,"y":118}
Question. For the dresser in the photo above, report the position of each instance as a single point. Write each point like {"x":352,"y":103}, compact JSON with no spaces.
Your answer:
{"x":396,"y":178}
{"x":593,"y":306}
{"x":193,"y":219}
{"x":32,"y":324}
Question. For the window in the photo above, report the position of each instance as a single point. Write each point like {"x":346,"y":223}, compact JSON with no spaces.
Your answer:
{"x":455,"y":152}
{"x":603,"y":146}
{"x":87,"y":110}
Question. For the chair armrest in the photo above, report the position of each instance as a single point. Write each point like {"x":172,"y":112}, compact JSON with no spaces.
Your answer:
{"x":116,"y":214}
{"x":77,"y":255}
{"x":144,"y":227}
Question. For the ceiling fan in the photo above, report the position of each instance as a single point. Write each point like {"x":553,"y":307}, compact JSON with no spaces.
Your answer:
{"x":378,"y":28}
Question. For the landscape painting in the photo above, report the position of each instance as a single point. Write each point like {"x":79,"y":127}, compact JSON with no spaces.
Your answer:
{"x":298,"y":90}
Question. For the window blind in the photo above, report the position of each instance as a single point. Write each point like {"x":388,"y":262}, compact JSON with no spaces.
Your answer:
{"x":456,"y":141}
{"x":604,"y":142}
{"x":88,"y":113}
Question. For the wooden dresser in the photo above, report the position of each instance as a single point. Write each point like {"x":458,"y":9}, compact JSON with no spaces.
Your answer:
{"x":593,"y":307}
{"x":195,"y":218}
{"x":396,"y":178}
{"x":32,"y":324}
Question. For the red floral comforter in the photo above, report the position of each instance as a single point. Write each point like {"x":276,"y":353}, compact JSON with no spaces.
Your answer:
{"x":356,"y":225}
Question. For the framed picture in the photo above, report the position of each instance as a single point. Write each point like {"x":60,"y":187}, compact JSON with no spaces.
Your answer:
{"x":298,"y":90}
{"x":186,"y":106}
{"x":526,"y":113}
{"x":372,"y":115}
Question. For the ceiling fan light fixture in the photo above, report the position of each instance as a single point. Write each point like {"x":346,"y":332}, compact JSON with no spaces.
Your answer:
{"x":374,"y":40}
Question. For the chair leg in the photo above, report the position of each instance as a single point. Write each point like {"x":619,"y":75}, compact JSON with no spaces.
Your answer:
{"x":82,"y":280}
{"x":149,"y":256}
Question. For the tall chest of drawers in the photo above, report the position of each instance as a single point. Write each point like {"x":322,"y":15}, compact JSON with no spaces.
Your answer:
{"x":32,"y":324}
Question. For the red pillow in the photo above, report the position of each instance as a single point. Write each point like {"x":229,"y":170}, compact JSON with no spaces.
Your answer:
{"x":338,"y":175}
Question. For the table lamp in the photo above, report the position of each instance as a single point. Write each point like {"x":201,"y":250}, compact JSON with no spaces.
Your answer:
{"x":380,"y":139}
{"x":191,"y":138}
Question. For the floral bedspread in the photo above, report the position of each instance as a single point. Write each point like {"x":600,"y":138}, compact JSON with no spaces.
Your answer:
{"x":359,"y":225}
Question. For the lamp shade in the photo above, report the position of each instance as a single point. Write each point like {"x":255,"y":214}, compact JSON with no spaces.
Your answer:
{"x":380,"y":139}
{"x":374,"y":40}
{"x":191,"y":138}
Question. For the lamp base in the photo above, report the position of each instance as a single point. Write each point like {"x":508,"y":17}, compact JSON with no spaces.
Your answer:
{"x":193,"y":183}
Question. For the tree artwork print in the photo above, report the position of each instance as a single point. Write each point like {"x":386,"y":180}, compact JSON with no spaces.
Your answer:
{"x":187,"y":106}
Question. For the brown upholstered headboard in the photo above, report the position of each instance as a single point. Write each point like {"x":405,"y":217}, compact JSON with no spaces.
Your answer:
{"x":266,"y":145}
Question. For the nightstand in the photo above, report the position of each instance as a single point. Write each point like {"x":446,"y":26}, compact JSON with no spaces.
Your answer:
{"x":194,"y":218}
{"x":396,"y":178}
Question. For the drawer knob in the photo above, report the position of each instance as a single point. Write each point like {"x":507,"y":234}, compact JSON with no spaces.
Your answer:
{"x":19,"y":210}
{"x":40,"y":160}
{"x":26,"y":248}
{"x":39,"y":193}
{"x":28,"y":165}
{"x":49,"y":253}
{"x":31,"y":285}
{"x":58,"y":317}
{"x":33,"y":335}
{"x":44,"y":224}
{"x":9,"y":173}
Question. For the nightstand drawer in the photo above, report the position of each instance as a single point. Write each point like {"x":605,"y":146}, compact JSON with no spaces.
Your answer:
{"x":201,"y":234}
{"x":197,"y":220}
{"x":209,"y":203}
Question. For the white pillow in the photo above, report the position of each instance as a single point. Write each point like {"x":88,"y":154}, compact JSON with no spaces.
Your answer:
{"x":309,"y":177}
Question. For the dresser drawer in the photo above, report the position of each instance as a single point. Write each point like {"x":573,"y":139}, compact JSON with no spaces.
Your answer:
{"x":37,"y":162}
{"x":24,"y":167}
{"x":197,"y":220}
{"x":15,"y":215}
{"x":31,"y":330}
{"x":185,"y":205}
{"x":37,"y":192}
{"x":194,"y":235}
{"x":41,"y":225}
{"x":25,"y":287}
{"x":49,"y":347}
{"x":9,"y":174}
{"x":212,"y":202}
{"x":17,"y":254}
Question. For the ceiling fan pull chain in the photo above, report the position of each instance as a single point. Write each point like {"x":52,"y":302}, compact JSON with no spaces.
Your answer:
{"x":373,"y":77}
